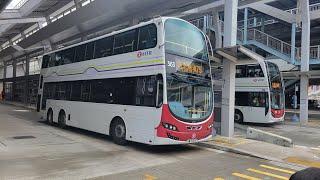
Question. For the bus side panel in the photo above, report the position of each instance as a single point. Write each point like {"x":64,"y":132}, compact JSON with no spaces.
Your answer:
{"x":96,"y":117}
{"x":253,"y":114}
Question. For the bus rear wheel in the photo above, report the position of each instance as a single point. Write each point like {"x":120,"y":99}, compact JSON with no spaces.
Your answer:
{"x":50,"y":117}
{"x":118,"y":132}
{"x":62,"y":119}
{"x":238,"y":116}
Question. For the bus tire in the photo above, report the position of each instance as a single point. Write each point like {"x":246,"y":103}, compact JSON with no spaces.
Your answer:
{"x":50,"y":117}
{"x":238,"y":116}
{"x":118,"y":131}
{"x":62,"y":119}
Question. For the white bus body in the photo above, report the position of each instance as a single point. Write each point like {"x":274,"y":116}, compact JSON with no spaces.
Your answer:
{"x":259,"y":93}
{"x":124,"y":90}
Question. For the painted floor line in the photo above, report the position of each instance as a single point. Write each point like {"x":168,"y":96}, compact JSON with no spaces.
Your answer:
{"x":268,"y":174}
{"x":149,"y":177}
{"x":302,"y":161}
{"x":243,"y":176}
{"x":277,"y":169}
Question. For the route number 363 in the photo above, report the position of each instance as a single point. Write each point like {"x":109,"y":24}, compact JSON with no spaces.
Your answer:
{"x":171,"y":64}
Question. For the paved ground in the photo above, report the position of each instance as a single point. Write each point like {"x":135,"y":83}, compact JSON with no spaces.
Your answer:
{"x":307,"y":136}
{"x":30,"y":149}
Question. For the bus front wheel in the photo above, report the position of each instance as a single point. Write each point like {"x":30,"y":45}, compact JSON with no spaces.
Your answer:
{"x":118,"y":132}
{"x":238,"y":116}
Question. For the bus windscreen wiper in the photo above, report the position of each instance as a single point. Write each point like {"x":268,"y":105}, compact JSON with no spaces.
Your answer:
{"x":178,"y":78}
{"x":196,"y":81}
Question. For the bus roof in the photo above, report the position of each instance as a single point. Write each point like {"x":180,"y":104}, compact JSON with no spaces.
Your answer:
{"x":143,"y":23}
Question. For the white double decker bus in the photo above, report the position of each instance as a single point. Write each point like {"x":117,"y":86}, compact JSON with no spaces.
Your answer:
{"x":259,"y":94}
{"x":149,"y":83}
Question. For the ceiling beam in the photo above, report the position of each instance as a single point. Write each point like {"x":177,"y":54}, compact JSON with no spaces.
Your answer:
{"x":22,"y":20}
{"x":274,"y":12}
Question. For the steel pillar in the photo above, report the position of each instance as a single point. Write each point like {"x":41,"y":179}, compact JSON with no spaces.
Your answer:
{"x":262,"y":24}
{"x":245,"y":26}
{"x":4,"y":76}
{"x":293,"y":43}
{"x":229,"y":68}
{"x":305,"y":53}
{"x":217,"y":28}
{"x":26,"y":75}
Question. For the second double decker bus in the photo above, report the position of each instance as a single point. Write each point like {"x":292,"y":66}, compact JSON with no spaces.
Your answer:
{"x":148,"y":83}
{"x":259,"y":94}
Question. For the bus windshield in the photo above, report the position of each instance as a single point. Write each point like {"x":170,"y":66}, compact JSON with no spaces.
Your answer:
{"x":184,"y":38}
{"x":277,"y":95}
{"x":189,"y":99}
{"x":277,"y":100}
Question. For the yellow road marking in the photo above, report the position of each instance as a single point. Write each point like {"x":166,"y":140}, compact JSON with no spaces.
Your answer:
{"x":227,"y":142}
{"x":277,"y":169}
{"x":218,"y":179}
{"x":303,"y":162}
{"x":267,"y":174}
{"x":245,"y":176}
{"x":149,"y":177}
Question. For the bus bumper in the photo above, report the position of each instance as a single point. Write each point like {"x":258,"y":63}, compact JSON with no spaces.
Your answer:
{"x":167,"y":141}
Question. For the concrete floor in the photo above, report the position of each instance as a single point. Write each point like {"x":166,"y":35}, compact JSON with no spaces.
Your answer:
{"x":46,"y":152}
{"x":302,"y":136}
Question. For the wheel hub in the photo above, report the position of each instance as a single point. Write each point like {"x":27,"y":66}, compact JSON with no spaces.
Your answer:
{"x":237,"y":117}
{"x":119,"y":131}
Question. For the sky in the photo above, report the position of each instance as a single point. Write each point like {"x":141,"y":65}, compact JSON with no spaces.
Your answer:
{"x":13,"y":4}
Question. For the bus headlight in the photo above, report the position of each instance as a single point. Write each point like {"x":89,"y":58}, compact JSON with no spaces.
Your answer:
{"x":169,"y":126}
{"x":210,"y":126}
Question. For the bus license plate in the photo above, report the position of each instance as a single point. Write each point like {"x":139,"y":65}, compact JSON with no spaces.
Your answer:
{"x":192,"y":140}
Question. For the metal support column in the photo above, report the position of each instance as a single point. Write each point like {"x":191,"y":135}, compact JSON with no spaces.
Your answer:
{"x":262,"y":23}
{"x":4,"y":76}
{"x":245,"y":26}
{"x":305,"y":56}
{"x":205,"y":22}
{"x":229,"y":68}
{"x":14,"y":68}
{"x":254,"y":22}
{"x":14,"y":74}
{"x":26,"y":76}
{"x":217,"y":28}
{"x":293,"y":43}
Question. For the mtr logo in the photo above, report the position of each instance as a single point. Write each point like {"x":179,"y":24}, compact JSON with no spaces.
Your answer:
{"x":145,"y":53}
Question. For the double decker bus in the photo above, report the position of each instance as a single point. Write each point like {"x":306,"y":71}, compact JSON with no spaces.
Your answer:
{"x":149,"y":83}
{"x":259,"y":94}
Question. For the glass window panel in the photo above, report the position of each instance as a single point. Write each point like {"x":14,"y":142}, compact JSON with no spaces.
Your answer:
{"x":147,"y":37}
{"x":58,"y":58}
{"x":68,"y":56}
{"x":89,"y":51}
{"x":104,"y":47}
{"x":52,"y":62}
{"x":45,"y":61}
{"x":80,"y":53}
{"x":125,"y":42}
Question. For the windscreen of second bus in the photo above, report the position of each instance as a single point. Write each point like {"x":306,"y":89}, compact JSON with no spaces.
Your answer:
{"x":276,"y":89}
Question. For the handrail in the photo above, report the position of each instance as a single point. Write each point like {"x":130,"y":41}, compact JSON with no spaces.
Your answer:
{"x":312,"y":7}
{"x":314,"y":52}
{"x":259,"y":36}
{"x":254,"y":22}
{"x":272,"y":42}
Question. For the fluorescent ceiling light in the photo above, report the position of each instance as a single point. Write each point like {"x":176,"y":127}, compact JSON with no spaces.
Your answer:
{"x":16,"y":4}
